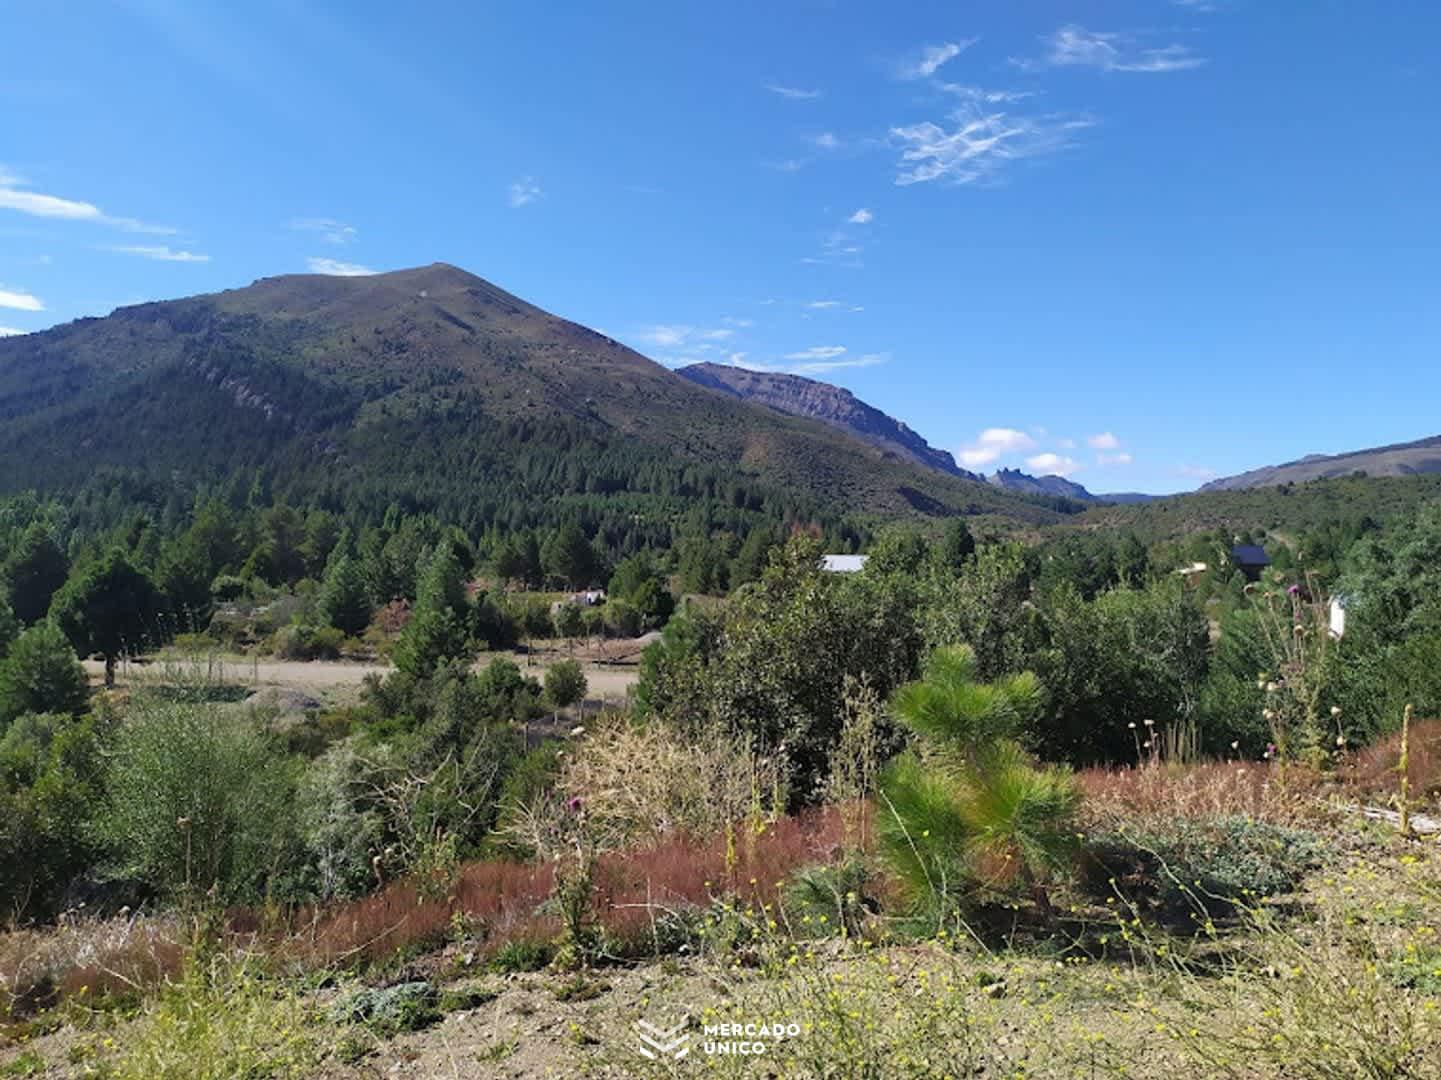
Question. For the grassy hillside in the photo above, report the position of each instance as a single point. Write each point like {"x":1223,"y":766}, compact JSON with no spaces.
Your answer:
{"x":1286,"y":508}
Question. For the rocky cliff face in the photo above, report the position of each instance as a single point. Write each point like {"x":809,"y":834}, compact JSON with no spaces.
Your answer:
{"x":833,"y":405}
{"x":1025,"y":484}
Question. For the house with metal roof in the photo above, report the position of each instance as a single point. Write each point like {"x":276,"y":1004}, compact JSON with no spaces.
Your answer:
{"x":843,"y":564}
{"x":1250,"y":559}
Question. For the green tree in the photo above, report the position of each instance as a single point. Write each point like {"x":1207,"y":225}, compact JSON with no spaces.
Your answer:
{"x":41,"y":675}
{"x":9,"y":627}
{"x":967,"y":812}
{"x":34,"y":571}
{"x":344,"y":601}
{"x":568,"y":557}
{"x":956,"y":546}
{"x":108,"y":607}
{"x":565,"y":684}
{"x":773,"y":666}
{"x":567,"y":621}
{"x":439,"y":623}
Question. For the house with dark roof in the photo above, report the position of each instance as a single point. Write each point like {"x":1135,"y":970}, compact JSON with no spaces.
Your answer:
{"x":1250,"y":559}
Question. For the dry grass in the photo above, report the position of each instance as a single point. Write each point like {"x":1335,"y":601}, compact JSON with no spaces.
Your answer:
{"x":1210,"y":789}
{"x":1373,"y":769}
{"x":98,"y":958}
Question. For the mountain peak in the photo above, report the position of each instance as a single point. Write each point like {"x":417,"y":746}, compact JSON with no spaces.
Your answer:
{"x":833,"y":405}
{"x":1024,"y":483}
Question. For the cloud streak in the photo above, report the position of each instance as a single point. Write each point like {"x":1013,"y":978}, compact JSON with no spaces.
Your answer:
{"x":978,"y":145}
{"x":793,"y":93}
{"x":524,"y":192}
{"x":676,"y":336}
{"x":933,"y":58}
{"x":16,"y":195}
{"x":10,"y":331}
{"x":158,"y":253}
{"x":20,"y":301}
{"x":1075,"y":46}
{"x":318,"y":264}
{"x":329,"y":230}
{"x":817,"y":353}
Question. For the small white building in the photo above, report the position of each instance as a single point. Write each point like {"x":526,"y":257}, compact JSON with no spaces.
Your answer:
{"x":843,"y":564}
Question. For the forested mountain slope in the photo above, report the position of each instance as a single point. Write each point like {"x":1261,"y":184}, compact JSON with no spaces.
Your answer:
{"x":426,"y":385}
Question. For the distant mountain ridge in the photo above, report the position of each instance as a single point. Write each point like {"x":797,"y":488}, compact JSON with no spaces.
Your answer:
{"x":1024,"y":483}
{"x":833,"y":405}
{"x":431,"y":387}
{"x":1397,"y":459}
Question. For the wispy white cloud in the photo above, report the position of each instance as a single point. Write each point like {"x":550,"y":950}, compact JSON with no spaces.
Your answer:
{"x":1198,"y":472}
{"x":1121,"y":458}
{"x":10,"y":331}
{"x":793,"y":93}
{"x":673,"y":336}
{"x":524,"y":192}
{"x":977,"y":95}
{"x":789,"y":165}
{"x":861,"y":217}
{"x":731,"y":320}
{"x":826,"y":140}
{"x":979,"y":145}
{"x":1204,"y":7}
{"x":992,"y":443}
{"x":158,"y":252}
{"x":1075,"y":46}
{"x":335,"y":268}
{"x":817,"y":352}
{"x":1052,"y":464}
{"x":15,"y":194}
{"x":820,"y":304}
{"x":19,"y":300}
{"x":933,"y":58}
{"x":820,"y":367}
{"x":1104,"y":441}
{"x":328,"y":229}
{"x":838,"y":248}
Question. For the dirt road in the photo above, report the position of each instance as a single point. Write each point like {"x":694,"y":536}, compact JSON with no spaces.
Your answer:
{"x":606,"y":682}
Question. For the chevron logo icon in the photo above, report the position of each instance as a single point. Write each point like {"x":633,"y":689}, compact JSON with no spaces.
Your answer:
{"x":657,"y":1043}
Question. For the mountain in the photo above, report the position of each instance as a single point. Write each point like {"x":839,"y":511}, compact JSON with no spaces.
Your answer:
{"x":433,"y":388}
{"x":797,"y":396}
{"x":1398,"y":459}
{"x":1025,"y":484}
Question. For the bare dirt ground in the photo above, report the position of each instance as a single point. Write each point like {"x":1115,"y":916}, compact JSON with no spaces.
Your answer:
{"x":340,"y":678}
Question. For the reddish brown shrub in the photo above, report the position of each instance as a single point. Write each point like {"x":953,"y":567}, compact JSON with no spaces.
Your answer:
{"x":1373,"y":771}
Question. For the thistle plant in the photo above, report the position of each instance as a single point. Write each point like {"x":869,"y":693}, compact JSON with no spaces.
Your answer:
{"x":1295,"y":628}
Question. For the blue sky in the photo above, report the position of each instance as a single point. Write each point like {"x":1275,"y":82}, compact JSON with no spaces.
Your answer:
{"x":1140,"y":243}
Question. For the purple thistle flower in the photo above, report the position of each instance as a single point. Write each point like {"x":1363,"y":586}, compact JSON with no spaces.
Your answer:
{"x":1294,"y":590}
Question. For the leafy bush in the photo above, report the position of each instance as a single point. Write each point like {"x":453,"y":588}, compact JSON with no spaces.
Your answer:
{"x":408,"y":1006}
{"x":1179,"y":865}
{"x":297,"y":642}
{"x":195,"y":801}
